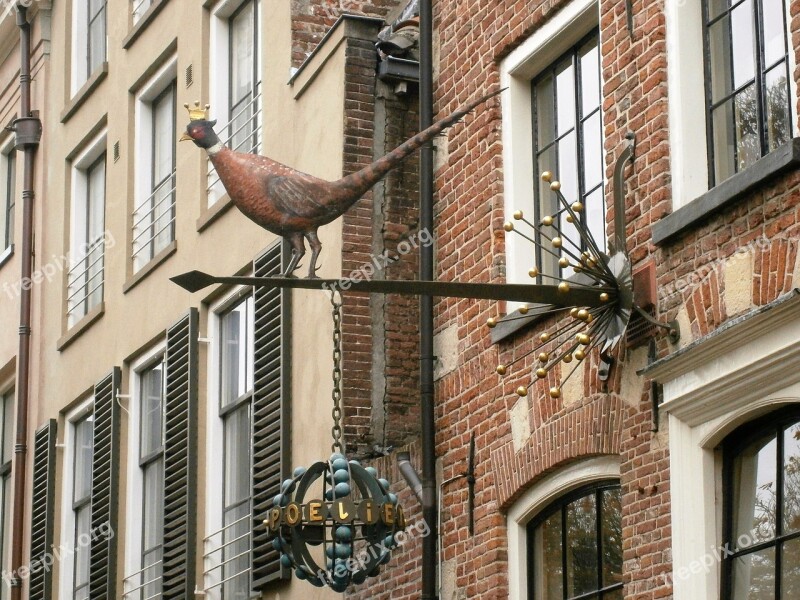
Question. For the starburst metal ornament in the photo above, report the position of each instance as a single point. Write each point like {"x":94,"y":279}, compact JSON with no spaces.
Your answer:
{"x":587,"y":327}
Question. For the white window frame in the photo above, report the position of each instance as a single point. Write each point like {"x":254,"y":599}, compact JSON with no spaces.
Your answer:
{"x":80,"y":41}
{"x":687,"y":94}
{"x":565,"y":29}
{"x":143,"y":118}
{"x":219,"y":76}
{"x":215,"y":446}
{"x":7,"y":154}
{"x":134,"y":475}
{"x":709,"y":391}
{"x":536,"y":499}
{"x":80,"y":166}
{"x":7,"y":391}
{"x":67,"y":562}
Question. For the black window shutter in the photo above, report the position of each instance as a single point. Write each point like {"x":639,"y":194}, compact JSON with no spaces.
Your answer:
{"x":42,"y":512}
{"x":180,"y":459}
{"x":105,"y":488}
{"x":271,"y":411}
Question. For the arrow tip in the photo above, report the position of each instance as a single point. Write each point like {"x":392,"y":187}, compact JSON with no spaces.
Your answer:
{"x":193,"y":281}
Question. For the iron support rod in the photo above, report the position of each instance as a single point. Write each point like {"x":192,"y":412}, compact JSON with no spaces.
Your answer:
{"x":428,"y":415}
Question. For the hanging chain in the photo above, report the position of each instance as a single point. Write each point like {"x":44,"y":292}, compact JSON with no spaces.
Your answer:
{"x":336,"y":431}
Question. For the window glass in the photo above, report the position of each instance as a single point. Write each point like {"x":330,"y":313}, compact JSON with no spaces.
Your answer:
{"x":7,"y":198}
{"x":82,"y":508}
{"x":236,"y":352}
{"x":152,"y":410}
{"x":6,"y":430}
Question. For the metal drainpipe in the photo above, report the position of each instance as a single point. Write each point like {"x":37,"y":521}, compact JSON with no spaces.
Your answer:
{"x":428,"y":416}
{"x":28,"y":131}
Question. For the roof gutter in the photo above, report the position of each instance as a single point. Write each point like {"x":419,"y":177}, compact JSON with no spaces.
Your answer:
{"x":28,"y":131}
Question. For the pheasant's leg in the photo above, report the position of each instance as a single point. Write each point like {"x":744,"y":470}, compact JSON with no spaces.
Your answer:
{"x":316,"y":246}
{"x":298,"y":250}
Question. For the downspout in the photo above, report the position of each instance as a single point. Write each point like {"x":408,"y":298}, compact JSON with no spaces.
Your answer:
{"x":28,"y":131}
{"x":428,"y":415}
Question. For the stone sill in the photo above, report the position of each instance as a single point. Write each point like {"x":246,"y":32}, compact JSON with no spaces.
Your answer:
{"x":151,"y":266}
{"x":6,"y":255}
{"x":83,"y":94}
{"x":81,"y":326}
{"x":783,"y":159}
{"x":214,"y":212}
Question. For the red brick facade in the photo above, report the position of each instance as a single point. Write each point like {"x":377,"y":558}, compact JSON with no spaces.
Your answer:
{"x":471,"y":399}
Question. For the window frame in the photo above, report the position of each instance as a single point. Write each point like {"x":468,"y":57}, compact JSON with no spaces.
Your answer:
{"x":758,"y":82}
{"x":737,"y":441}
{"x":8,"y":193}
{"x":560,"y":505}
{"x":7,"y":397}
{"x":79,"y":250}
{"x":84,"y":410}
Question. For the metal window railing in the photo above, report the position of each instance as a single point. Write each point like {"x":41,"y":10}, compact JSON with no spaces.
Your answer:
{"x":139,"y":8}
{"x":84,"y":280}
{"x":242,"y":134}
{"x":215,"y":559}
{"x":153,"y":223}
{"x":136,"y":577}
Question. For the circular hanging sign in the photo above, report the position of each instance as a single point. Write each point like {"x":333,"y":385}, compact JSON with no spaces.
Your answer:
{"x":335,"y":523}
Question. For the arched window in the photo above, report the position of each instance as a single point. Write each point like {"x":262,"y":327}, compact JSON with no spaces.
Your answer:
{"x":762,"y":509}
{"x":575,"y":546}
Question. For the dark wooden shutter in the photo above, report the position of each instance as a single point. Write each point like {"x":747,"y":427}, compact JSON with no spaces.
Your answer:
{"x":43,"y":512}
{"x":271,"y":411}
{"x":105,"y":492}
{"x":180,"y":459}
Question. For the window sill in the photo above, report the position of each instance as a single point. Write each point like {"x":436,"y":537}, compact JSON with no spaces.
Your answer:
{"x":149,"y":15}
{"x":726,"y":193}
{"x":214,"y":212}
{"x":151,"y":266}
{"x":81,"y":326}
{"x":83,"y":94}
{"x":6,"y":255}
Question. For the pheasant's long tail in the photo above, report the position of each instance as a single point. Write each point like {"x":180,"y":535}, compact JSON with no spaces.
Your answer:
{"x":362,"y":180}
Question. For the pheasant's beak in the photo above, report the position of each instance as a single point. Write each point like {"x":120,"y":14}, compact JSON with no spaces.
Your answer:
{"x":185,"y":138}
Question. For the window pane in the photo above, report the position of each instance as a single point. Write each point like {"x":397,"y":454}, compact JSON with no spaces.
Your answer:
{"x":8,"y":427}
{"x":238,"y":587}
{"x":592,"y":152}
{"x":153,"y":501}
{"x":548,"y":206}
{"x":82,"y":536}
{"x":233,"y":365}
{"x":163,"y":136}
{"x":96,"y":200}
{"x":581,"y":547}
{"x":790,"y":570}
{"x":545,"y":111}
{"x":152,"y":403}
{"x":744,"y":47}
{"x":791,"y":480}
{"x":754,"y":491}
{"x":7,"y":199}
{"x":715,"y":7}
{"x":548,"y":572}
{"x":589,"y":56}
{"x":748,"y":143}
{"x":774,"y":31}
{"x":83,"y":459}
{"x":237,"y":456}
{"x":97,"y":43}
{"x":754,"y":576}
{"x":565,"y":97}
{"x":611,"y":527}
{"x":595,"y":211}
{"x":152,"y":573}
{"x":719,"y":40}
{"x":242,"y":53}
{"x":724,"y":141}
{"x":777,"y":107}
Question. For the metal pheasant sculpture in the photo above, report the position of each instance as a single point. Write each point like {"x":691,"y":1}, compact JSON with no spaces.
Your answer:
{"x":291,"y":203}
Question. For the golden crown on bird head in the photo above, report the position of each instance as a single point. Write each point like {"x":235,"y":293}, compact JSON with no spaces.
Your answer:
{"x":196,"y":113}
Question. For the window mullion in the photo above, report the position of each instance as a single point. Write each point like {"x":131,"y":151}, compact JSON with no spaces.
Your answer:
{"x":761,"y":76}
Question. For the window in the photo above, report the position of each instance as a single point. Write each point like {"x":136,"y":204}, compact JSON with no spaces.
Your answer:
{"x":236,"y":388}
{"x":6,"y":455}
{"x":747,"y":82}
{"x":87,"y":241}
{"x":147,"y":487}
{"x":154,"y":217}
{"x":236,"y":80}
{"x":568,"y":142}
{"x":575,"y":547}
{"x":762,"y":514}
{"x":543,"y":131}
{"x":139,"y":8}
{"x":89,"y":39}
{"x":81,"y":505}
{"x":8,"y":169}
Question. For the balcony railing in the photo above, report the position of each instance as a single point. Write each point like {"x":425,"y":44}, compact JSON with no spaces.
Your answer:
{"x":222,"y":558}
{"x":85,"y":282}
{"x":242,"y":134}
{"x":154,"y":223}
{"x":142,"y":586}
